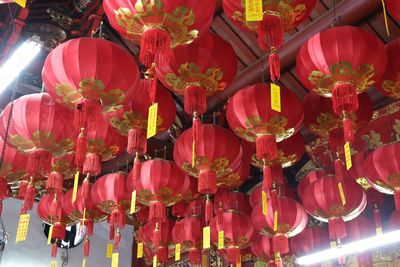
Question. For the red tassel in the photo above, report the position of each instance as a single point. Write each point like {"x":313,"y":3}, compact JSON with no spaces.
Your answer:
{"x":23,"y":186}
{"x":81,"y":148}
{"x":86,"y":189}
{"x":270,"y":32}
{"x":92,"y":165}
{"x":196,"y":127}
{"x":339,"y":170}
{"x":86,"y":248}
{"x":162,"y":254}
{"x":207,"y":183}
{"x":195,"y":256}
{"x":39,"y":163}
{"x":137,"y":141}
{"x":336,"y":140}
{"x":277,"y":175}
{"x":209,"y":211}
{"x":377,"y":218}
{"x":155,"y":47}
{"x":88,"y":114}
{"x":121,"y":219}
{"x":274,"y":199}
{"x":157,"y":211}
{"x":117,"y":240}
{"x":195,"y":100}
{"x":179,"y":209}
{"x":220,"y":216}
{"x":344,"y":98}
{"x":112,"y":232}
{"x":267,"y":178}
{"x":280,"y":244}
{"x":348,"y":130}
{"x":397,"y":199}
{"x":55,"y":182}
{"x":29,"y":197}
{"x":3,"y":188}
{"x":58,"y":231}
{"x":156,"y":236}
{"x":274,"y":66}
{"x":266,"y":148}
{"x":337,"y":228}
{"x":89,"y":227}
{"x":134,"y":174}
{"x":232,"y":255}
{"x":54,"y":250}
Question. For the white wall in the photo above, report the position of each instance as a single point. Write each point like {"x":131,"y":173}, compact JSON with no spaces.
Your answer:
{"x":35,"y":253}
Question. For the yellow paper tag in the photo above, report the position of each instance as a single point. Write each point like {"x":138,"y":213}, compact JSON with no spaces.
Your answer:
{"x":347,"y":154}
{"x":22,"y":3}
{"x":133,"y":202}
{"x":22,"y":230}
{"x":275,"y":220}
{"x":275,"y":97}
{"x":75,"y":189}
{"x":178,"y":252}
{"x":206,"y":237}
{"x":84,"y":262}
{"x":341,"y":192}
{"x":152,"y":121}
{"x":385,"y":17}
{"x":50,"y":235}
{"x":264,"y":203}
{"x":221,"y":239}
{"x":239,"y":262}
{"x":254,"y":10}
{"x":114,"y":259}
{"x":139,"y":253}
{"x":193,"y":153}
{"x":109,"y":250}
{"x":379,"y":231}
{"x":333,"y":244}
{"x":204,"y":261}
{"x":155,"y":261}
{"x":53,"y":263}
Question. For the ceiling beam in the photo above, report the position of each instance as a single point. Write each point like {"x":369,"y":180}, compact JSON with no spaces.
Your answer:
{"x":350,"y":12}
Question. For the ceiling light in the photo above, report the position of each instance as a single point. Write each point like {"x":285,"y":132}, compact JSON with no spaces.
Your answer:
{"x":350,"y":248}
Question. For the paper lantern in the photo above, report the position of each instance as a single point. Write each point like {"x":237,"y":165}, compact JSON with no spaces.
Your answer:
{"x":312,"y":238}
{"x":13,"y":165}
{"x":158,"y":236}
{"x":390,"y":82}
{"x":255,"y":193}
{"x":308,"y":179}
{"x":261,"y":248}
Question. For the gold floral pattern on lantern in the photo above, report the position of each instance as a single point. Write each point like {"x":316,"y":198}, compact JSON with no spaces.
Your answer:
{"x":95,"y":216}
{"x":394,"y":180}
{"x":256,"y":126}
{"x":342,"y":72}
{"x":373,"y":140}
{"x":133,"y":119}
{"x":108,"y":206}
{"x":43,"y":140}
{"x":99,"y":147}
{"x":392,"y":88}
{"x":191,"y":75}
{"x":7,"y":171}
{"x":64,"y":167}
{"x":282,"y":160}
{"x":93,"y":89}
{"x":364,"y":183}
{"x":326,"y":122}
{"x":229,"y":181}
{"x":239,"y":242}
{"x":219,"y":165}
{"x":150,"y":14}
{"x":289,"y":15}
{"x":166,"y":195}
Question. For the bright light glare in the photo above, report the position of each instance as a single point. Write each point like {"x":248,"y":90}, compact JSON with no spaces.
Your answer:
{"x":350,"y":248}
{"x":19,"y":60}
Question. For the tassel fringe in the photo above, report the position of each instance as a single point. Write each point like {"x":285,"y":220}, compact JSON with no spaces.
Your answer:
{"x":207,"y":182}
{"x":137,"y":141}
{"x":195,"y":100}
{"x":92,"y":165}
{"x":155,"y":47}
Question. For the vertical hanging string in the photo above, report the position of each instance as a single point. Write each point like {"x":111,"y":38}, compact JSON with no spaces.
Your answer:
{"x":385,"y":17}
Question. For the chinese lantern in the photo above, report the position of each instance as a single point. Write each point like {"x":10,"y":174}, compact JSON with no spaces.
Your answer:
{"x":256,"y":197}
{"x":276,"y":17}
{"x":159,"y":25}
{"x":390,"y":82}
{"x":360,"y":228}
{"x":312,"y":238}
{"x":13,"y":165}
{"x":85,"y":75}
{"x":131,"y":120}
{"x":308,"y":179}
{"x":161,"y":184}
{"x":158,"y":236}
{"x":338,"y":63}
{"x":261,"y":248}
{"x":179,"y":209}
{"x":252,"y":119}
{"x":224,"y":200}
{"x":238,"y":231}
{"x":381,"y":169}
{"x":110,"y":194}
{"x":335,"y":207}
{"x":189,"y":233}
{"x":287,"y":219}
{"x":393,"y":6}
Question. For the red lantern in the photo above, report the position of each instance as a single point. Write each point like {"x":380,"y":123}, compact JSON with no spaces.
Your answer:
{"x":131,"y":120}
{"x":253,"y":120}
{"x":238,"y":232}
{"x":161,"y":184}
{"x":110,"y":194}
{"x":334,"y":207}
{"x":381,"y":168}
{"x":261,"y":248}
{"x":308,"y":179}
{"x":312,"y":238}
{"x":189,"y":233}
{"x":390,"y":82}
{"x":159,"y":25}
{"x":338,"y":63}
{"x":320,"y":118}
{"x":226,"y":201}
{"x":85,"y":75}
{"x":286,"y":220}
{"x":13,"y":165}
{"x":393,"y":7}
{"x":256,"y":197}
{"x":277,"y":17}
{"x":158,"y":236}
{"x":201,"y":74}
